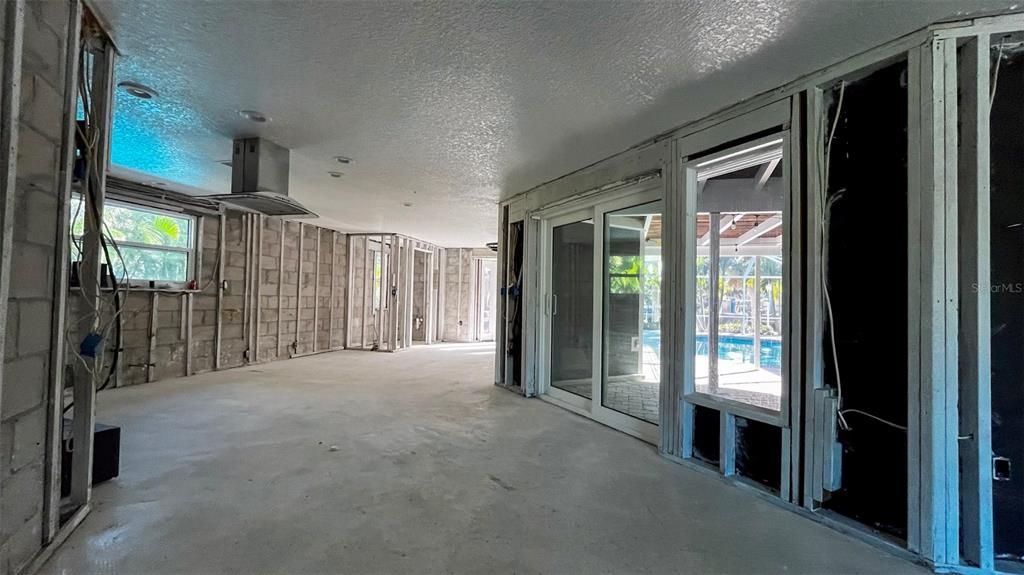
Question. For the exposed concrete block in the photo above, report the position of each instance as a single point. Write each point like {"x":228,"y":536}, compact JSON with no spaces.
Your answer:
{"x":11,"y":349}
{"x":37,"y":160}
{"x":35,"y":266}
{"x":25,"y":382}
{"x":34,"y":335}
{"x":203,"y":302}
{"x":35,"y":218}
{"x":42,"y":51}
{"x":41,"y":107}
{"x":22,"y":500}
{"x":28,"y":445}
{"x":22,"y":543}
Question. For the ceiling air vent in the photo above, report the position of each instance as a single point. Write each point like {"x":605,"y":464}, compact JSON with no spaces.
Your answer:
{"x":259,"y":180}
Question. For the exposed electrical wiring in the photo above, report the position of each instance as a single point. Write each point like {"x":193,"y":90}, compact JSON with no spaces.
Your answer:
{"x":995,"y":73}
{"x":826,"y":206}
{"x":824,"y":254}
{"x":875,"y":417}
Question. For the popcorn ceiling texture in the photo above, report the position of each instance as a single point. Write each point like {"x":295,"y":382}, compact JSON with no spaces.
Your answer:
{"x":451,"y":105}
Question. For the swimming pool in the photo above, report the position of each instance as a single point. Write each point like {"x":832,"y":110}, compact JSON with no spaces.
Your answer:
{"x":741,"y":348}
{"x":734,"y":347}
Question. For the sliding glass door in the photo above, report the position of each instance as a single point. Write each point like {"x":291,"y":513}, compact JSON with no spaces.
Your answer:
{"x":631,"y":382}
{"x":571,"y":308}
{"x":603,"y":290}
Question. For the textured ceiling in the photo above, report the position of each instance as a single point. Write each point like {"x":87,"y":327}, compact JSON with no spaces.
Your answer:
{"x":451,"y":105}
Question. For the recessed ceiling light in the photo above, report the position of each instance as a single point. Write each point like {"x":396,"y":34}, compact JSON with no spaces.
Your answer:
{"x":407,"y":204}
{"x":342,"y":160}
{"x":138,"y":90}
{"x":336,"y":174}
{"x":254,"y":116}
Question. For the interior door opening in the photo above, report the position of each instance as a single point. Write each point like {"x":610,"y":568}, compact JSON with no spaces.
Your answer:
{"x":486,"y":298}
{"x":421,"y":270}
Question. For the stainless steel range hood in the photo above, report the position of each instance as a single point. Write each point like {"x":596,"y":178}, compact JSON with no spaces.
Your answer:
{"x":259,"y":180}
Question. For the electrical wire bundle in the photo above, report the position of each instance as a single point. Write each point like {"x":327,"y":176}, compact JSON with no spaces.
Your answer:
{"x":88,"y":139}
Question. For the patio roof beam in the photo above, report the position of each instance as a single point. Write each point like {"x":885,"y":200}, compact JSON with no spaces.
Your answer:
{"x":765,"y":172}
{"x":759,"y":230}
{"x":725,"y":224}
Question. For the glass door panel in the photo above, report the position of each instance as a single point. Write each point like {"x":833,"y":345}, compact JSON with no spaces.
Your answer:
{"x":572,"y":307}
{"x":632,"y":311}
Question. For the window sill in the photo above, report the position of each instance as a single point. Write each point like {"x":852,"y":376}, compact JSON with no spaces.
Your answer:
{"x":147,"y":289}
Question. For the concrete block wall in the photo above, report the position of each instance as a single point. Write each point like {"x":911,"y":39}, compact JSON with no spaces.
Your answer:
{"x":339,"y":257}
{"x":333,"y":248}
{"x":233,"y":341}
{"x":169,"y":358}
{"x":460,"y":296}
{"x":359,"y":269}
{"x":289,"y":290}
{"x":271,"y":291}
{"x":419,"y":296}
{"x":32,"y":299}
{"x":204,"y":304}
{"x":303,"y":341}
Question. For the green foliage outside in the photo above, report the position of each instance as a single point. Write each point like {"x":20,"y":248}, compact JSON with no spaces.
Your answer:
{"x":140,"y":226}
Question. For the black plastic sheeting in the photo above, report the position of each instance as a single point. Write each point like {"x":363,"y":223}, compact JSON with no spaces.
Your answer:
{"x":759,"y":452}
{"x":1007,"y":260}
{"x":515,"y":295}
{"x":867,"y":280}
{"x":706,"y":430}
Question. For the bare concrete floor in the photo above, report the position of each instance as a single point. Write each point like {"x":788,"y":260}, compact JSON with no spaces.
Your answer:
{"x":435,"y":470}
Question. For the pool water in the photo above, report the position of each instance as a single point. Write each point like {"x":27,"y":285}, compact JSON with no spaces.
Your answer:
{"x":732,"y":347}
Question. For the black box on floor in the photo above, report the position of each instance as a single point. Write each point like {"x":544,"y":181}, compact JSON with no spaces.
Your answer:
{"x":106,"y":455}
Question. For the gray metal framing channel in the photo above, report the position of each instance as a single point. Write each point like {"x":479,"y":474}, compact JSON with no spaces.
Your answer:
{"x":84,"y":384}
{"x":316,"y":293}
{"x":221,"y":238}
{"x":280,"y":290}
{"x":298,"y":289}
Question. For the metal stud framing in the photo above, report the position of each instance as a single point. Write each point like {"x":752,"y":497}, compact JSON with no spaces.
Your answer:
{"x":393,"y":325}
{"x":949,"y":363}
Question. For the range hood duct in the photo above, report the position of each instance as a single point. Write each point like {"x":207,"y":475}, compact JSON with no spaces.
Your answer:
{"x":259,"y":180}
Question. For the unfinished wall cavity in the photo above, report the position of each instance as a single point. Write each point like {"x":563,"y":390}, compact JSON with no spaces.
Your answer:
{"x":866,"y":278}
{"x":169,"y":334}
{"x":389,"y":303}
{"x":1007,"y":273}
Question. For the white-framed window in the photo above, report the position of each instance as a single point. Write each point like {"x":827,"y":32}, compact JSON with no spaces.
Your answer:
{"x":149,"y":244}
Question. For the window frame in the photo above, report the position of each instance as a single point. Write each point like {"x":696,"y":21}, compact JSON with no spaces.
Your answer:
{"x":191,"y":271}
{"x":690,"y":169}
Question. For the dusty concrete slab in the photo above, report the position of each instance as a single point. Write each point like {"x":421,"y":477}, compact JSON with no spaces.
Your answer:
{"x":435,"y":470}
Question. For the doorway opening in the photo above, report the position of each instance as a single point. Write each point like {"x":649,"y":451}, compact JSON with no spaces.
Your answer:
{"x":486,"y":298}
